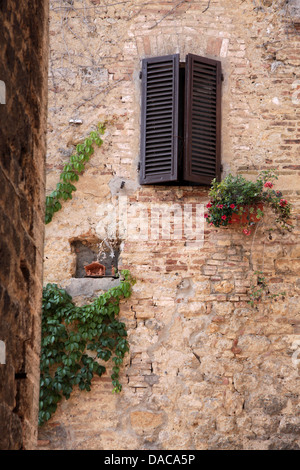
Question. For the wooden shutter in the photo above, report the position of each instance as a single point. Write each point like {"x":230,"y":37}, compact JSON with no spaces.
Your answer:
{"x":159,"y":120}
{"x":202,"y":120}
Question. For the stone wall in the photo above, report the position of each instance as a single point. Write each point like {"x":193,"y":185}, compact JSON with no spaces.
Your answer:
{"x":23,"y":71}
{"x":205,"y":370}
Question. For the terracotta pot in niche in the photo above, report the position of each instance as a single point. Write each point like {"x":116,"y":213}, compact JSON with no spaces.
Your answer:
{"x":246,"y":216}
{"x":95,"y":269}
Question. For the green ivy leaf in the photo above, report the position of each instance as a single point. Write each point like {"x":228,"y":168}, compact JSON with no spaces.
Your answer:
{"x":67,"y":332}
{"x":70,"y":173}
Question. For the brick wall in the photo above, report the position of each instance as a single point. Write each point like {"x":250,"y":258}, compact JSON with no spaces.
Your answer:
{"x":23,"y":69}
{"x":205,"y":371}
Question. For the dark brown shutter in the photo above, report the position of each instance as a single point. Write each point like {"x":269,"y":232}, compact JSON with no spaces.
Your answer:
{"x":159,"y":119}
{"x":202,"y":120}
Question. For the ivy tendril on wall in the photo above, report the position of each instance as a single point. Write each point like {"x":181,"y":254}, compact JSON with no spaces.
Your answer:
{"x":259,"y":290}
{"x":77,"y":340}
{"x":71,"y":172}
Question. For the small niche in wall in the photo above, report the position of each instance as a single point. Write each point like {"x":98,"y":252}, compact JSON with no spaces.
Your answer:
{"x":95,"y":258}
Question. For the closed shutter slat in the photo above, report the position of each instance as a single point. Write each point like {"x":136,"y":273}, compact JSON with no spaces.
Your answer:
{"x":203,"y":119}
{"x":159,"y":120}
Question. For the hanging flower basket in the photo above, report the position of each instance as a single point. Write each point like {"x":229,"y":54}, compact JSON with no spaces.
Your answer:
{"x":94,"y":269}
{"x":236,"y":200}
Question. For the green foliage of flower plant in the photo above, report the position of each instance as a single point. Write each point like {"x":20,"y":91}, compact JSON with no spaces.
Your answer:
{"x":71,"y":172}
{"x":237,"y":195}
{"x":76,"y":341}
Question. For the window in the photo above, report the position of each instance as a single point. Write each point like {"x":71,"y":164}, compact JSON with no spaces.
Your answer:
{"x":181,"y":120}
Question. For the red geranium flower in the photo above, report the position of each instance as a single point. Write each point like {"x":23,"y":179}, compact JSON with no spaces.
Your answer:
{"x":224,"y":217}
{"x":220,"y":206}
{"x":206,"y":215}
{"x":208,"y":205}
{"x":232,"y":206}
{"x":268,"y":184}
{"x":283,"y":202}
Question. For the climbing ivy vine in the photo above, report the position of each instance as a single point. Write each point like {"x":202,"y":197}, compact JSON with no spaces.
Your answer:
{"x":71,"y":172}
{"x":77,"y":341}
{"x":260,"y":290}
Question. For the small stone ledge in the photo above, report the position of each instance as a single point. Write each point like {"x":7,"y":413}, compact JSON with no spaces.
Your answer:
{"x":90,"y":287}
